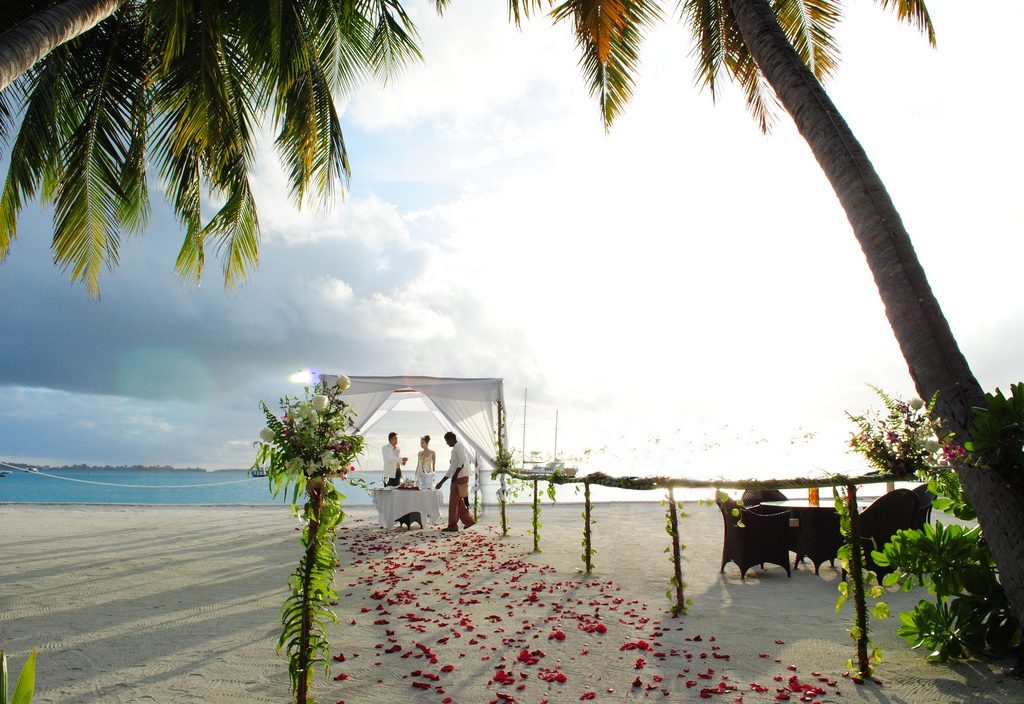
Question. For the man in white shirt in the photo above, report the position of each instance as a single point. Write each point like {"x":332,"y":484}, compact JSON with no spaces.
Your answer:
{"x":458,"y":471}
{"x":393,"y":461}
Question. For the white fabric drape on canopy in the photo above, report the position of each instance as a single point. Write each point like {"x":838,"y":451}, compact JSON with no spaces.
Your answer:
{"x":466,"y":406}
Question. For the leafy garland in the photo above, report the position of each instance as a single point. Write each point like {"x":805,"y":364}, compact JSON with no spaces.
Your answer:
{"x":588,"y":520}
{"x":675,"y":592}
{"x":851,"y":555}
{"x":311,"y":442}
{"x":503,"y":468}
{"x":536,"y":511}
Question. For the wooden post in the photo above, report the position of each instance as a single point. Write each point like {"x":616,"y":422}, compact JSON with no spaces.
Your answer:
{"x":677,"y":560}
{"x":586,"y":526}
{"x":863,"y":665}
{"x":536,"y":518}
{"x":502,"y":479}
{"x":313,"y":534}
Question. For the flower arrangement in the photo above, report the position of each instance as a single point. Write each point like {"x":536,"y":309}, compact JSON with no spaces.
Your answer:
{"x":905,"y":441}
{"x":312,"y":441}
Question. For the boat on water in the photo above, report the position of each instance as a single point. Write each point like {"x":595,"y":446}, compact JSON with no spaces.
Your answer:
{"x":552,"y":467}
{"x":4,"y":473}
{"x":256,"y":473}
{"x":555,"y":466}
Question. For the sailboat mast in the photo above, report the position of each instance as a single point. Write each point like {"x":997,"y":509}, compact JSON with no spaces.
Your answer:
{"x":555,"y":456}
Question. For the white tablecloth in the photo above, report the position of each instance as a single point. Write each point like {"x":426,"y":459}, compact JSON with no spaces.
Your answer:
{"x":392,"y":504}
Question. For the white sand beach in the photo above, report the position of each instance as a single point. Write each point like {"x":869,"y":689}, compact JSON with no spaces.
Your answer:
{"x":180,"y":604}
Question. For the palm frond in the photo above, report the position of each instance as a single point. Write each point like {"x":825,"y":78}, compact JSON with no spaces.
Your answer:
{"x":90,"y":204}
{"x":393,"y":43}
{"x":707,"y":20}
{"x":518,"y":10}
{"x":345,"y":34}
{"x":809,"y":25}
{"x":310,"y":140}
{"x":762,"y":102}
{"x":10,"y":100}
{"x":35,"y":145}
{"x":210,"y":85}
{"x":235,"y":232}
{"x":914,"y":13}
{"x":181,"y":173}
{"x":608,"y":34}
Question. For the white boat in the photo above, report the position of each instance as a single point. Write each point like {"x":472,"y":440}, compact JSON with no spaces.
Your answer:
{"x":552,"y":467}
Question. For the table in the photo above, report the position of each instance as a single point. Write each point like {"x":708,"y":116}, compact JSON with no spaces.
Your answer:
{"x":818,"y":535}
{"x":392,"y":504}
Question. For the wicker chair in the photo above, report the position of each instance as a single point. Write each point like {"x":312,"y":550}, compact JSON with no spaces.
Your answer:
{"x":923,"y":514}
{"x":753,"y":497}
{"x":763,"y":538}
{"x":819,"y":537}
{"x":880,"y":521}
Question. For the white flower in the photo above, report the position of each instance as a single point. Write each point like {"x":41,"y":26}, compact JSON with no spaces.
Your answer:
{"x":931,"y":444}
{"x":319,"y":402}
{"x":310,"y":470}
{"x":343,"y":382}
{"x":917,"y":404}
{"x":267,"y":435}
{"x":311,"y":416}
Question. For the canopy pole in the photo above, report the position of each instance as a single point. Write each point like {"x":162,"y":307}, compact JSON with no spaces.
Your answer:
{"x":502,"y":429}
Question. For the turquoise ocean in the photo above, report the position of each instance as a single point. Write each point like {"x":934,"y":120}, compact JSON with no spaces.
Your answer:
{"x":227,"y":487}
{"x":159,"y":487}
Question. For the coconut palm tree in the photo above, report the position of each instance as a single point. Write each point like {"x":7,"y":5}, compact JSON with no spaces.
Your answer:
{"x":95,"y":90}
{"x":779,"y":51}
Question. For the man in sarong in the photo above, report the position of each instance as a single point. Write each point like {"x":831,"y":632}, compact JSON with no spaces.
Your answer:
{"x":458,"y":472}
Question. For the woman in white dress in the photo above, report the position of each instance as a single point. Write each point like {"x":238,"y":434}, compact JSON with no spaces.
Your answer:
{"x":426,"y":460}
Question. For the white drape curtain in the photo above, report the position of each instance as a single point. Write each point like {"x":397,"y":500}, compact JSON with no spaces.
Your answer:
{"x":468,"y":405}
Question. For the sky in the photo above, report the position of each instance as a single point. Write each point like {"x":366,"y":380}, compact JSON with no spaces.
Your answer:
{"x":685,"y":292}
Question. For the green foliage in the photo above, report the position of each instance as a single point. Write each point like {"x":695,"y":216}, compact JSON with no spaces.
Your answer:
{"x":26,"y":684}
{"x":970,"y":614}
{"x":301,"y":451}
{"x":997,"y":435}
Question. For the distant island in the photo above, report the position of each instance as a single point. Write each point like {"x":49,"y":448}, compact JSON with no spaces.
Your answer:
{"x":115,"y":468}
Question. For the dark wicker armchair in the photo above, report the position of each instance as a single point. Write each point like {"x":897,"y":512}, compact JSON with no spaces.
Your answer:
{"x":753,"y":497}
{"x":763,"y":537}
{"x":880,"y":521}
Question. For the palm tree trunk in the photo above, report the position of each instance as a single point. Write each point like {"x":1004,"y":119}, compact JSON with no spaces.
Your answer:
{"x":929,"y":348}
{"x":27,"y":42}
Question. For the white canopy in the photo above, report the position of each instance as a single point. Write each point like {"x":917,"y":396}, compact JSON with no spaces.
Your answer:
{"x":468,"y":407}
